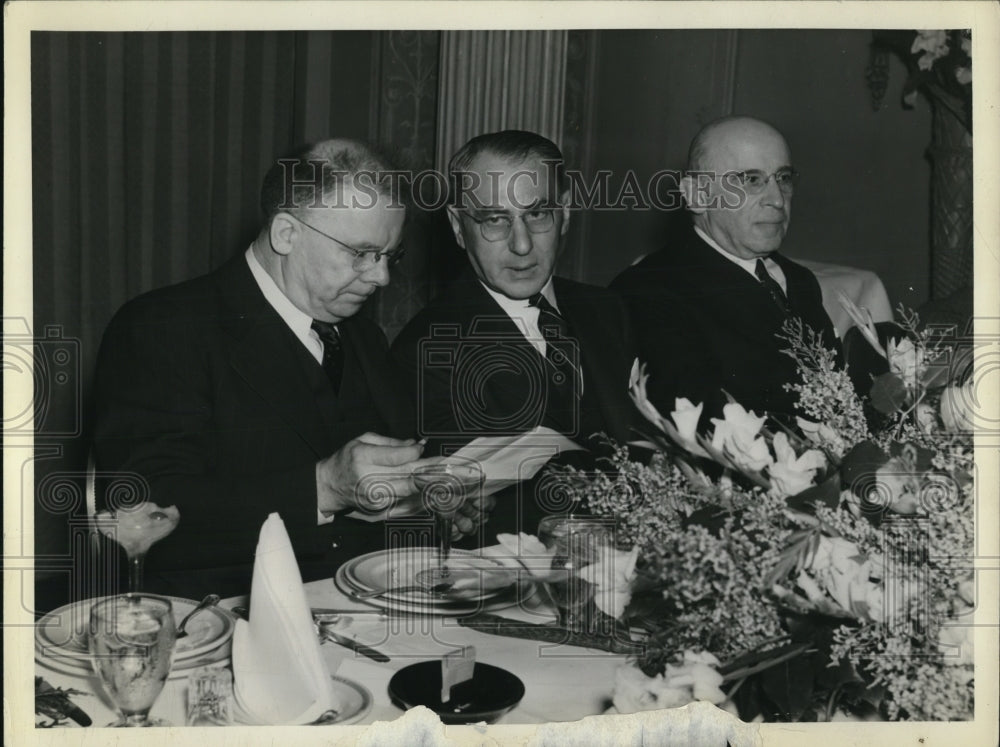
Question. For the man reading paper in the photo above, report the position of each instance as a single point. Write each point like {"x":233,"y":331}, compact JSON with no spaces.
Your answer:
{"x":259,"y":387}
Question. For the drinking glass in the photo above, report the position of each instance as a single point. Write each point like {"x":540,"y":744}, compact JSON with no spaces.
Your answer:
{"x":131,"y":640}
{"x":136,"y":529}
{"x":444,"y":487}
{"x":575,"y":542}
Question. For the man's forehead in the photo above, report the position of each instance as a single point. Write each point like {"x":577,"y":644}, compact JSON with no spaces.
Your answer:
{"x":492,"y":180}
{"x":747,"y":148}
{"x":363,"y":220}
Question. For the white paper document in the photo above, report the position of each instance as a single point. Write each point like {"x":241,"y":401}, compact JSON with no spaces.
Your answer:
{"x":506,"y":460}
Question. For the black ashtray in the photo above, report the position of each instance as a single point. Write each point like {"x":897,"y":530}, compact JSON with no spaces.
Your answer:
{"x":490,"y":693}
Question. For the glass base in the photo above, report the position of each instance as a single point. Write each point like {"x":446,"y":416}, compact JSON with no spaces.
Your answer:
{"x":435,"y":580}
{"x":126,"y":723}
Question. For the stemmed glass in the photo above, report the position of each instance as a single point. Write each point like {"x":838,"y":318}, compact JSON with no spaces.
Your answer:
{"x":131,"y":641}
{"x":444,"y":487}
{"x":575,"y":542}
{"x":136,"y":529}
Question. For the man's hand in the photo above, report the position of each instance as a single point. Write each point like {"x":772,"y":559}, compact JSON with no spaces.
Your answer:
{"x":369,"y":472}
{"x":475,"y":511}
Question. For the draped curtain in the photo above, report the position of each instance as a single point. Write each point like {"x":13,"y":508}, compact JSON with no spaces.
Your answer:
{"x":148,"y":150}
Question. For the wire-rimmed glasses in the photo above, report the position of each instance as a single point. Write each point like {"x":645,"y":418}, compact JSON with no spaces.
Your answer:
{"x":364,"y":259}
{"x":497,"y":226}
{"x":754,"y":181}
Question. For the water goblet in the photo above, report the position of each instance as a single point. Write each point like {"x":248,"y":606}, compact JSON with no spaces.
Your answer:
{"x":131,"y":641}
{"x":444,"y":487}
{"x":575,"y":542}
{"x":136,"y":529}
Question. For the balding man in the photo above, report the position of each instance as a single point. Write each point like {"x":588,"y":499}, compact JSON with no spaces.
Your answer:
{"x":707,"y":309}
{"x":259,"y":388}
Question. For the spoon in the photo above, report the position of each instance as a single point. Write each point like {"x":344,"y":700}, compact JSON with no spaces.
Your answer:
{"x":440,"y":588}
{"x":210,"y":601}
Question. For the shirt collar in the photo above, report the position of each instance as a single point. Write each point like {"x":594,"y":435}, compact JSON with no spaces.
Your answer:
{"x":299,"y":322}
{"x":750,"y":265}
{"x":516,"y":307}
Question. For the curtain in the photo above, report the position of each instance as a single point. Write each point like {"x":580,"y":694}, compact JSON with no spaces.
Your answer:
{"x":148,"y":152}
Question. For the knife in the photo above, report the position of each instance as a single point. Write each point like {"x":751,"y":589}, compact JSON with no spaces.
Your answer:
{"x":343,"y":640}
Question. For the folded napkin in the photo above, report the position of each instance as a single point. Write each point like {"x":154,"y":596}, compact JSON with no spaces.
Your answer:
{"x":279,"y":674}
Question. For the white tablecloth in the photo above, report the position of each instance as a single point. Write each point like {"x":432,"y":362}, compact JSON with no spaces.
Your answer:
{"x":562,"y":683}
{"x":861,"y":286}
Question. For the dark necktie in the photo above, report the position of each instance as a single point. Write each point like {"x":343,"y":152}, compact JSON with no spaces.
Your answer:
{"x":333,"y":352}
{"x":777,"y":295}
{"x":559,"y":351}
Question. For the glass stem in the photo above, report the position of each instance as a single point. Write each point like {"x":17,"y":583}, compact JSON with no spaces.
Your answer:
{"x":444,"y":542}
{"x":135,"y":569}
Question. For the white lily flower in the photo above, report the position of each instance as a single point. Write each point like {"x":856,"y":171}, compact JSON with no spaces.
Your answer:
{"x":736,"y":435}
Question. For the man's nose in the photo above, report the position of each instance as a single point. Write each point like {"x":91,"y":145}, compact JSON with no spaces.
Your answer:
{"x":378,"y":273}
{"x":521,"y":240}
{"x":772,"y":193}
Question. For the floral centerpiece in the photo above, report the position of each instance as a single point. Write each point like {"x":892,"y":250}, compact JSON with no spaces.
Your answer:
{"x":938,"y":63}
{"x":817,"y":568}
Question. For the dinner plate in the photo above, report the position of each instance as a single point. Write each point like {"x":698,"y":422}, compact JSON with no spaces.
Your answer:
{"x":77,"y":666}
{"x":477,"y":577}
{"x":490,"y":693}
{"x":354,"y":698}
{"x":62,"y":633}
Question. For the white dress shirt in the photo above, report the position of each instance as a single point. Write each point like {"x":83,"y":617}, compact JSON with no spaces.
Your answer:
{"x":524,"y":315}
{"x":750,"y":265}
{"x":297,"y":320}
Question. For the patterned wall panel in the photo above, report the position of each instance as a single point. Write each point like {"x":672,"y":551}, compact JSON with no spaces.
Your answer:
{"x":404,"y":104}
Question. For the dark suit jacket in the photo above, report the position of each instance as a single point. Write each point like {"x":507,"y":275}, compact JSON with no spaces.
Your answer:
{"x":462,"y":356}
{"x":705,"y":324}
{"x":204,"y":391}
{"x":472,"y":373}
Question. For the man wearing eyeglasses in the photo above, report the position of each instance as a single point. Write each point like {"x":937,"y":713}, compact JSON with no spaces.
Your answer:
{"x":259,"y":388}
{"x":509,"y":346}
{"x":708,"y":307}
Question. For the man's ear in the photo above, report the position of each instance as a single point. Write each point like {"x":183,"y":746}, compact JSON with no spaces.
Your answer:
{"x":456,"y":225}
{"x":697,"y":190}
{"x":283,"y":233}
{"x":564,"y":201}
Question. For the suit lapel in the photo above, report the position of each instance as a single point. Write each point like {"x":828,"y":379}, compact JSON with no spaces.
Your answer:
{"x":599,"y":367}
{"x":738,"y":298}
{"x":365,"y":347}
{"x":261,"y":351}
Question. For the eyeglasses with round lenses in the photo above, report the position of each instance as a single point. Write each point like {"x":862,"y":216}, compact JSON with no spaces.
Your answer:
{"x":497,"y":226}
{"x":754,"y":181}
{"x":364,"y":259}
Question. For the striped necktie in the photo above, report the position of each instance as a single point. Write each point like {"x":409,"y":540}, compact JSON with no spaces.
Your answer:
{"x":558,"y":343}
{"x":773,"y":289}
{"x":333,"y":352}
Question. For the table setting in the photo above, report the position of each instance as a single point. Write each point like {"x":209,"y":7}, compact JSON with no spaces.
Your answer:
{"x":496,"y":635}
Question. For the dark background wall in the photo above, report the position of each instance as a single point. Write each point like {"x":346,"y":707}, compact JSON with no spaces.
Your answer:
{"x":863,"y":198}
